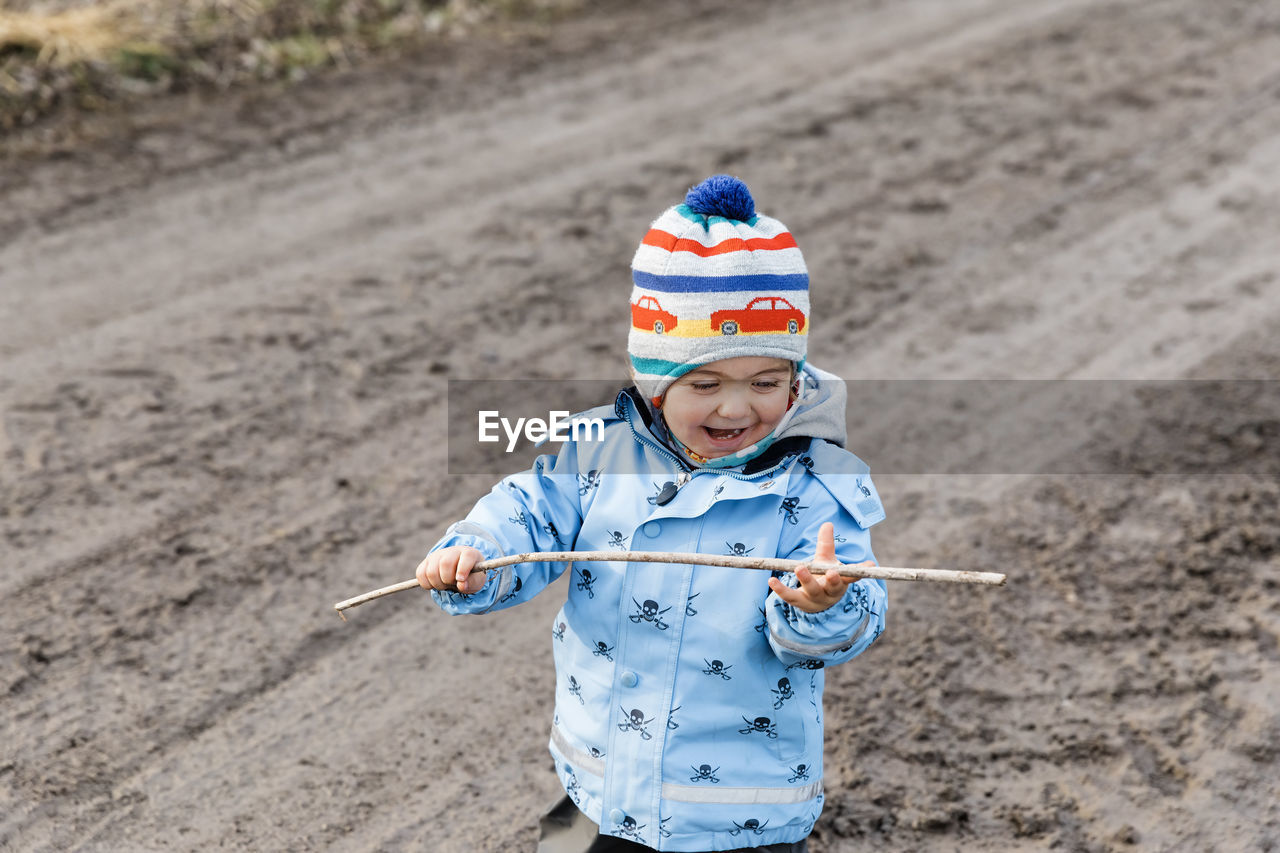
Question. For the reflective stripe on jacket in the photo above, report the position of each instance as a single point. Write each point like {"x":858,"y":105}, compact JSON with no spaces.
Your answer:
{"x":688,"y":698}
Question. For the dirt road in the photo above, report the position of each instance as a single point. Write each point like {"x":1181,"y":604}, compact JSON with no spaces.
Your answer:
{"x":225,"y":336}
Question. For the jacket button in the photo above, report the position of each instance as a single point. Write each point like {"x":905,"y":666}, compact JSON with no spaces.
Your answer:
{"x":629,"y":679}
{"x":616,"y":815}
{"x":652,"y":529}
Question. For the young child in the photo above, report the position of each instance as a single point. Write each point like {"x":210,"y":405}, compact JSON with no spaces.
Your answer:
{"x":689,"y":698}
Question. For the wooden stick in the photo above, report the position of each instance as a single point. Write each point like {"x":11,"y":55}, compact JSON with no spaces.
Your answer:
{"x":768,"y":564}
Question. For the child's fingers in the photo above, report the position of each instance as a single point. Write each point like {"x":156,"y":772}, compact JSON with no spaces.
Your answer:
{"x":469,"y":583}
{"x":421,"y":573}
{"x":451,"y":569}
{"x":834,"y":585}
{"x":788,"y":594}
{"x":799,"y":597}
{"x":461,"y":568}
{"x":428,"y":573}
{"x":466,"y":563}
{"x":826,"y":549}
{"x":437,"y":570}
{"x":809,"y":583}
{"x":446,"y":567}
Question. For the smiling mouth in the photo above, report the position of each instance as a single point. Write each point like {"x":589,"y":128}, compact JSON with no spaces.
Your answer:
{"x":724,"y":434}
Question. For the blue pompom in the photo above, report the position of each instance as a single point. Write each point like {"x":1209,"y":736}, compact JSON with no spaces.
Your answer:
{"x":722,"y":195}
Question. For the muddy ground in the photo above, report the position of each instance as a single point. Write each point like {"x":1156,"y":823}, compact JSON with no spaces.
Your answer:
{"x":226,"y":327}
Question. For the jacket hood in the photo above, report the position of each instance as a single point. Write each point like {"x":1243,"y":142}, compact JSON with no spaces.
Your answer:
{"x":819,"y":412}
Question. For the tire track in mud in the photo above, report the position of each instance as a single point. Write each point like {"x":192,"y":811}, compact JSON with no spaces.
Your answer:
{"x":223,"y":435}
{"x":215,"y":435}
{"x":871,"y":203}
{"x":1155,"y":653}
{"x":898,"y":271}
{"x":121,"y":784}
{"x":439,"y":160}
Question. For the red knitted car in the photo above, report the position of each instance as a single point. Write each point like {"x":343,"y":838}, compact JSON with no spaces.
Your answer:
{"x":648,"y":314}
{"x":762,"y":314}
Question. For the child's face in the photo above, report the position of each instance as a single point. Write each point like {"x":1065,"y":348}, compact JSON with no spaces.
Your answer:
{"x":727,"y":405}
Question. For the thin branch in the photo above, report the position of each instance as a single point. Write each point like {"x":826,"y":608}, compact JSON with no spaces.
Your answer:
{"x":768,"y":564}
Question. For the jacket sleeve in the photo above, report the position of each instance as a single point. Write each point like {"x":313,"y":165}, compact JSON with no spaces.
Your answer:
{"x":851,"y":625}
{"x":536,"y":510}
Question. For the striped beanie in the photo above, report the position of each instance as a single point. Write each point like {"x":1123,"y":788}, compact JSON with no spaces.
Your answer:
{"x":715,"y":280}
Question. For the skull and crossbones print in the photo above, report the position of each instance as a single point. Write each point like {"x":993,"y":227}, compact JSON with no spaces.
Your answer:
{"x":588,"y":481}
{"x":751,"y":824}
{"x":791,"y":509}
{"x":783,"y":693}
{"x":810,"y":663}
{"x":550,"y":528}
{"x":763,"y":725}
{"x":715,"y":667}
{"x":586,"y":582}
{"x":571,"y":785}
{"x":634,"y":721}
{"x":704,"y":773}
{"x":857,"y":598}
{"x":628,"y":827}
{"x":649,"y":612}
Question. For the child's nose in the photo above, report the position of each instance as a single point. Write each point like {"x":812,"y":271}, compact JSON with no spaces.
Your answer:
{"x":733,"y":404}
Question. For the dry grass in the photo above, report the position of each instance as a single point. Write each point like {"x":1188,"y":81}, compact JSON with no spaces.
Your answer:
{"x":91,"y":56}
{"x":86,"y":34}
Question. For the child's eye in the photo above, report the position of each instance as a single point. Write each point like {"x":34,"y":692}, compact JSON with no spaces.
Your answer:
{"x":766,"y":384}
{"x":704,"y":386}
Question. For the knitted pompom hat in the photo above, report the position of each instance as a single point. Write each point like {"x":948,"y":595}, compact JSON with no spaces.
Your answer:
{"x":714,"y":279}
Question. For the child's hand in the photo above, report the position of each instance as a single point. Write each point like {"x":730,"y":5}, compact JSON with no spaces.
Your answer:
{"x":450,"y":569}
{"x":817,"y":592}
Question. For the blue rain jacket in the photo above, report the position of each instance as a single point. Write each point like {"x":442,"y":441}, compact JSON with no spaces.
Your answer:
{"x":688,"y":698}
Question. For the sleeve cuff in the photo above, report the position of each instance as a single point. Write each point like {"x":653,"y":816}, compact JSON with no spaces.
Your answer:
{"x":497,"y":584}
{"x":834,"y":629}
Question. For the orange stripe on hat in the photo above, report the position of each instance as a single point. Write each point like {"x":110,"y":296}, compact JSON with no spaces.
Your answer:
{"x":669,"y":242}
